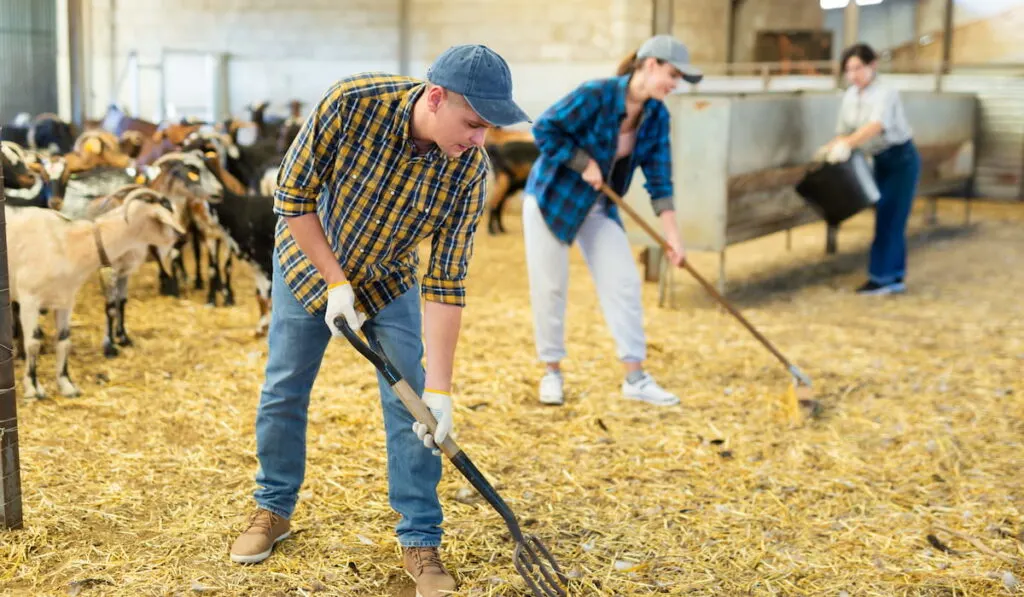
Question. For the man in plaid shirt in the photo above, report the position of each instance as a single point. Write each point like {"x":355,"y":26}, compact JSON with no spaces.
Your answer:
{"x":382,"y":163}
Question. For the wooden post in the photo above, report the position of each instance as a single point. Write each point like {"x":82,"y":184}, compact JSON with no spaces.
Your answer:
{"x":10,"y":465}
{"x":404,"y":39}
{"x":851,"y":24}
{"x":662,"y":22}
{"x":76,"y":54}
{"x":652,"y":258}
{"x":947,"y":36}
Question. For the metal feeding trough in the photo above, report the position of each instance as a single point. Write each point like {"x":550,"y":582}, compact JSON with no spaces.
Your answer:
{"x":737,"y":159}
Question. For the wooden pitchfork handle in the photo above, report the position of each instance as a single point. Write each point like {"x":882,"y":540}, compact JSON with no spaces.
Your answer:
{"x":686,"y":265}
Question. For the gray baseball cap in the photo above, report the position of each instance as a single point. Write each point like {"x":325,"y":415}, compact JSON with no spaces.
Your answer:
{"x":671,"y":50}
{"x":483,"y":77}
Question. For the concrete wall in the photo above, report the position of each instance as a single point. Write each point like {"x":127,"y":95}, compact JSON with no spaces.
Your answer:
{"x":886,"y":25}
{"x":983,"y":31}
{"x":278,"y":50}
{"x":756,"y":15}
{"x":704,"y":27}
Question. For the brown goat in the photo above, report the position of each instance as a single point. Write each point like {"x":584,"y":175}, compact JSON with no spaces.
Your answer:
{"x":512,"y":154}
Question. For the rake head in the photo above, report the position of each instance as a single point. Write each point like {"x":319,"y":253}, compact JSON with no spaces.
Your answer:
{"x":539,"y":569}
{"x":802,"y":393}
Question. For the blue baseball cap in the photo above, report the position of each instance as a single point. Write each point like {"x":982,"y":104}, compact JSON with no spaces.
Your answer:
{"x":480,"y":75}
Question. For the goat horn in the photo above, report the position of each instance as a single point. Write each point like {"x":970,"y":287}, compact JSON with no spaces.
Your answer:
{"x":137,"y":195}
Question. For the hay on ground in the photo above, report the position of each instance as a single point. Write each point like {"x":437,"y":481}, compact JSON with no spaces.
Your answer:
{"x":909,"y":484}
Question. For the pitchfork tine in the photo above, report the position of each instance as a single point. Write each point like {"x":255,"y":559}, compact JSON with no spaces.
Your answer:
{"x":525,"y":565}
{"x":549,"y":559}
{"x":537,"y":588}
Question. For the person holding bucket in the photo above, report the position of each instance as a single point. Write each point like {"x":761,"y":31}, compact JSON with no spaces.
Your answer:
{"x":871,"y":118}
{"x":601,"y":131}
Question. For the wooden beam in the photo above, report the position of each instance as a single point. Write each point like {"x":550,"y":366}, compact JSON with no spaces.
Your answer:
{"x":851,"y":24}
{"x":10,"y":464}
{"x":404,"y":39}
{"x":662,"y":22}
{"x":76,"y":56}
{"x":947,"y":35}
{"x":730,"y":50}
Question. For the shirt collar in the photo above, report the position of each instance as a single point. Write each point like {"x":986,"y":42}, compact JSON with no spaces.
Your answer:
{"x":622,"y":88}
{"x":404,"y":116}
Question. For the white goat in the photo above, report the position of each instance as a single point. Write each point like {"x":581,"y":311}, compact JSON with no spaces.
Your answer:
{"x":50,"y":257}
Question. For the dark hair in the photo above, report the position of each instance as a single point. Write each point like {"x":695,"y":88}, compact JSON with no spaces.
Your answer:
{"x":863,"y":51}
{"x":630,"y":64}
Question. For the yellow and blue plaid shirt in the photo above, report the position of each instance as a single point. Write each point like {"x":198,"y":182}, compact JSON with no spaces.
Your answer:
{"x":355,"y":165}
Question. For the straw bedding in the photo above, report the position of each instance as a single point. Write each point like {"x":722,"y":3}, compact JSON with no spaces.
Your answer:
{"x":909,"y":483}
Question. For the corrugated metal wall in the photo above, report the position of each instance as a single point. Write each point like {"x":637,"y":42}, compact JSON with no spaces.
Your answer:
{"x":28,"y":57}
{"x":1000,"y":172}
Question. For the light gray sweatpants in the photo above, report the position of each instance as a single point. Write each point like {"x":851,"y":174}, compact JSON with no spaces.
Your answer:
{"x":609,"y":257}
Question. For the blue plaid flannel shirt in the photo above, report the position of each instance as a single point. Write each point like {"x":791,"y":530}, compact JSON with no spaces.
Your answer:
{"x":584,"y":124}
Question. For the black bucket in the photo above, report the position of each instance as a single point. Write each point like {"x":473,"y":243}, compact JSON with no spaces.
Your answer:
{"x":840,"y":191}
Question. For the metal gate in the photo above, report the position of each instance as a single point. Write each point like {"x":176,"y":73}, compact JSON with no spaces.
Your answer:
{"x":28,"y":57}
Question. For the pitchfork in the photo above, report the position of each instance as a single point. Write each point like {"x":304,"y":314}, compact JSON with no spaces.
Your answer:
{"x":532,"y":559}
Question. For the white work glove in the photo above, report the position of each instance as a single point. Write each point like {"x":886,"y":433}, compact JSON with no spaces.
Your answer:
{"x":341,"y":300}
{"x":821,"y":153}
{"x":839,"y":152}
{"x":440,"y":405}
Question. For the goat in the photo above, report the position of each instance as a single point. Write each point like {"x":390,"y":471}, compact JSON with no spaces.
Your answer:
{"x":93,"y":149}
{"x":16,"y":130}
{"x":49,"y":133}
{"x":249,"y":222}
{"x":217,"y":152}
{"x":23,"y":184}
{"x":165,"y":140}
{"x":50,"y":257}
{"x":512,"y":155}
{"x":131,"y":143}
{"x":179,"y":180}
{"x":202,"y":186}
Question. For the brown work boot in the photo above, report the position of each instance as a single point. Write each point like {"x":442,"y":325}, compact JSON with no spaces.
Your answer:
{"x":424,"y":566}
{"x":257,"y":541}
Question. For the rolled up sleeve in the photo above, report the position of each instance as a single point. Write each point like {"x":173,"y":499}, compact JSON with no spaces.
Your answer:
{"x":451,"y":249}
{"x":309,"y":161}
{"x":657,"y":167}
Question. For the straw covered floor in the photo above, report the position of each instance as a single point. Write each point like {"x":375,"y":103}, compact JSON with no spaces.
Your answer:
{"x":909,"y":482}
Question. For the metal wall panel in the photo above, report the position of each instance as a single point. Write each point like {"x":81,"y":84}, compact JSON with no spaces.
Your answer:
{"x":1000,"y":151}
{"x":1001,"y":148}
{"x":28,"y":57}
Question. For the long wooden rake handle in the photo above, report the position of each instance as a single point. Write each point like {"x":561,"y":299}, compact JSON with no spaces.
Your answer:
{"x":711,"y":290}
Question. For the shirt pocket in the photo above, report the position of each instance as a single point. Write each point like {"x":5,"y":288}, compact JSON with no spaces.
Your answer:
{"x":428,"y":207}
{"x":359,"y":211}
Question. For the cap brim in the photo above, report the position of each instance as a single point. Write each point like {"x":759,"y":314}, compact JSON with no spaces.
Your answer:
{"x":498,"y":112}
{"x":691,"y":74}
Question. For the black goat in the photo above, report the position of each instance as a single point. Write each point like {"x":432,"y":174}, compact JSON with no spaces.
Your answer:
{"x":249,"y":222}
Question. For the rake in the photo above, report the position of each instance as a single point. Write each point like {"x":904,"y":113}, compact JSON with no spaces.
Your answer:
{"x":800,"y":393}
{"x":531,"y":558}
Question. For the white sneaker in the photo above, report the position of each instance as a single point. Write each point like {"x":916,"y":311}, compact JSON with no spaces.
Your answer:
{"x":648,"y":390}
{"x":551,"y":388}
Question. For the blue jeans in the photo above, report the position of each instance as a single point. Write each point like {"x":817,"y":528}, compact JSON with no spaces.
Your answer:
{"x":297,"y":341}
{"x":897,"y":170}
